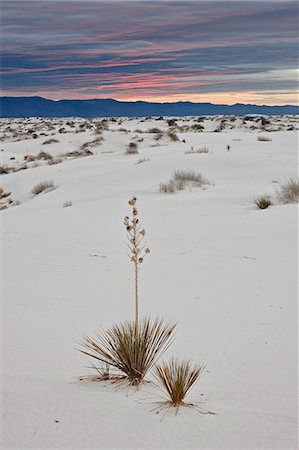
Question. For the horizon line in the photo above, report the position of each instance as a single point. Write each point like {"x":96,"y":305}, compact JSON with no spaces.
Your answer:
{"x":147,"y":101}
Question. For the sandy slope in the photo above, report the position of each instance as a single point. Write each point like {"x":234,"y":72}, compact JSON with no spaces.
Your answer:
{"x":226,"y":271}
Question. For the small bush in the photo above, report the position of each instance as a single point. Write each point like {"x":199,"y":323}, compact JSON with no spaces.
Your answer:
{"x":44,"y":155}
{"x":184,"y":177}
{"x":289,"y":191}
{"x":158,"y":136}
{"x":176,"y":379}
{"x":141,"y":160}
{"x":94,"y":143}
{"x":4,"y":170}
{"x":29,"y":158}
{"x":42,"y":187}
{"x":155,"y":130}
{"x":3,"y":193}
{"x":54,"y":161}
{"x":78,"y":153}
{"x":173,"y":137}
{"x":131,"y":351}
{"x":199,"y":150}
{"x":264,"y":139}
{"x":67,"y":204}
{"x":263,"y":202}
{"x":168,"y":187}
{"x":132,"y":148}
{"x":50,"y":141}
{"x":181,"y":179}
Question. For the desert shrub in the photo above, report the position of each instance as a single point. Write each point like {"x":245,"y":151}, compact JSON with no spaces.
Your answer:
{"x":184,"y":177}
{"x":3,"y":193}
{"x":131,"y":351}
{"x":264,"y":139}
{"x":3,"y":170}
{"x":54,"y":161}
{"x":141,"y":160}
{"x":155,"y":130}
{"x":158,"y":136}
{"x":132,"y":148}
{"x":93,"y":143}
{"x":42,"y":187}
{"x":263,"y":201}
{"x":22,"y":167}
{"x":67,"y":204}
{"x":173,"y":137}
{"x":78,"y":153}
{"x":181,"y":179}
{"x":199,"y":150}
{"x":177,"y":378}
{"x":289,"y":191}
{"x":29,"y":158}
{"x":44,"y":155}
{"x":50,"y":141}
{"x":168,"y":187}
{"x":197,"y":127}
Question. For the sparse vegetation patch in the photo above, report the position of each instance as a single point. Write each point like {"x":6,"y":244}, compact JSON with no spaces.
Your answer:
{"x":289,"y":191}
{"x":43,"y":186}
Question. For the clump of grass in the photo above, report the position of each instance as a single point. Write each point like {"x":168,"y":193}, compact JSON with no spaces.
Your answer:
{"x":44,"y":155}
{"x":141,"y":160}
{"x":264,"y":139}
{"x":199,"y":150}
{"x":50,"y":141}
{"x":185,"y":177}
{"x":263,"y":201}
{"x":78,"y":153}
{"x":67,"y":204}
{"x":29,"y":158}
{"x":4,"y":170}
{"x":173,"y":137}
{"x":93,"y":143}
{"x":155,"y":130}
{"x":289,"y":191}
{"x":54,"y":161}
{"x":132,"y":149}
{"x":168,"y":187}
{"x":177,"y":378}
{"x":42,"y":187}
{"x":4,"y":193}
{"x":181,"y":179}
{"x":131,"y":351}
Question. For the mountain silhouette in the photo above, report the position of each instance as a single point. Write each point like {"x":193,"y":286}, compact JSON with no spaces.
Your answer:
{"x":41,"y":107}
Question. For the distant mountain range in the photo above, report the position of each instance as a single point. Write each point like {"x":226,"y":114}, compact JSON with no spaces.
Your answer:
{"x":41,"y":107}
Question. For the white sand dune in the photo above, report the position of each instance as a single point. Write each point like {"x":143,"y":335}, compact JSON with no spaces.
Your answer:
{"x":225,"y":270}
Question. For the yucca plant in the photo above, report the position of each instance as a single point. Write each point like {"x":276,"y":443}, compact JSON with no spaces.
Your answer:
{"x":131,"y":351}
{"x":176,"y":378}
{"x":263,"y":202}
{"x":131,"y":348}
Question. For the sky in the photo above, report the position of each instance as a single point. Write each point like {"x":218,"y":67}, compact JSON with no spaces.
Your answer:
{"x":162,"y":51}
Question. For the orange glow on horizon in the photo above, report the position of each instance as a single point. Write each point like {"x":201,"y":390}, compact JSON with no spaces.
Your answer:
{"x":229,"y":98}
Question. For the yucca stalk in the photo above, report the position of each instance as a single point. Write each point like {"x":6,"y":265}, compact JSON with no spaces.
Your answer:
{"x":135,"y":235}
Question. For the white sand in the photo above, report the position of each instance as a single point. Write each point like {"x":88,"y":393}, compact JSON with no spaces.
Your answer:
{"x":223,"y":269}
